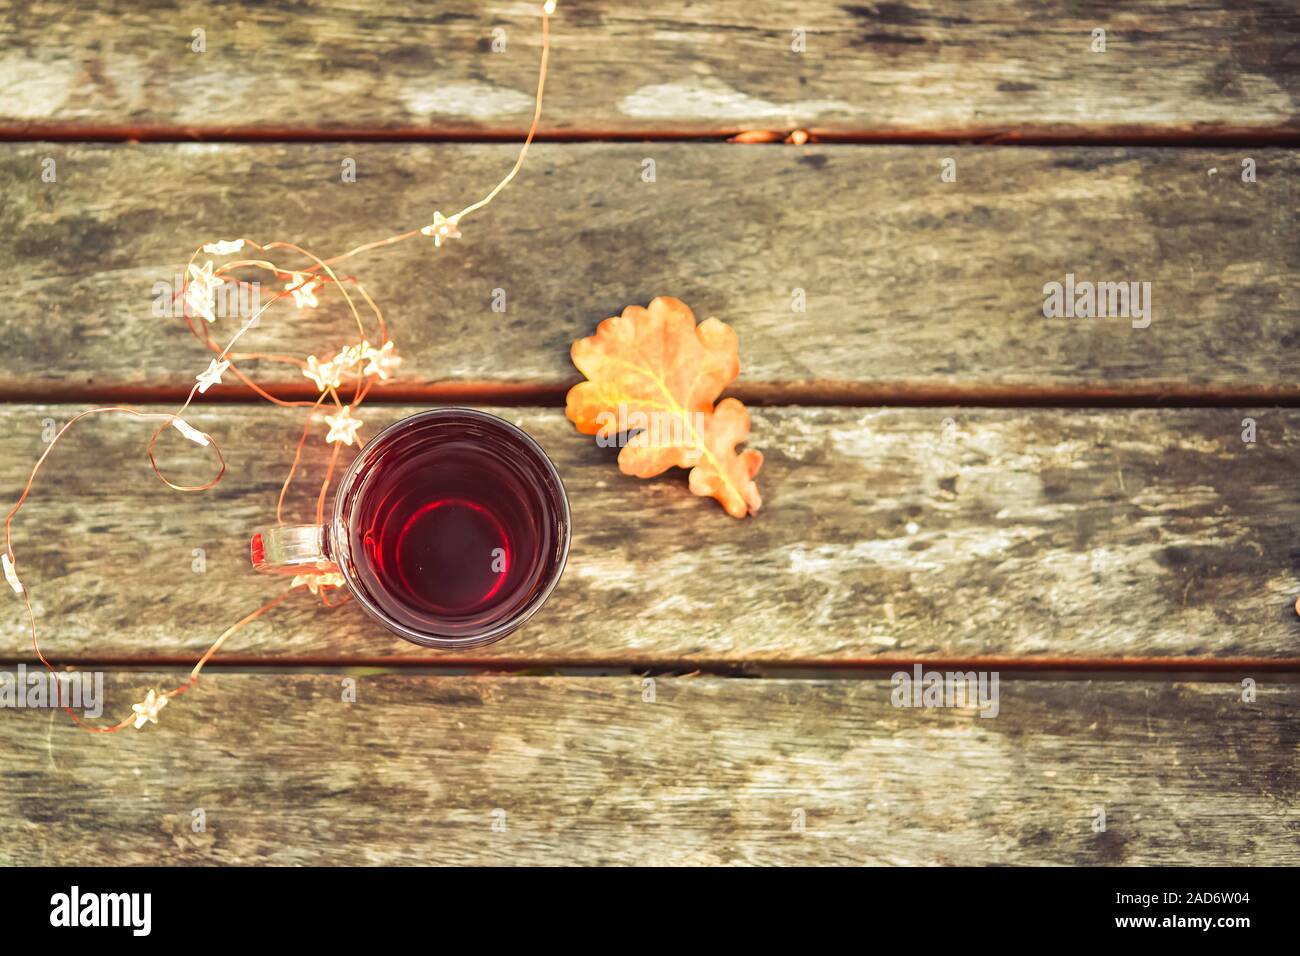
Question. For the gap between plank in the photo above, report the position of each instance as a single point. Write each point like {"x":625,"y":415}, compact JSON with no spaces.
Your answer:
{"x":1021,"y":668}
{"x":1208,"y":136}
{"x":822,"y":393}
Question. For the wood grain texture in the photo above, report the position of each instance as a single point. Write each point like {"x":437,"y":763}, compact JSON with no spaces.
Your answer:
{"x":712,"y":771}
{"x":885,"y":535}
{"x":910,"y":283}
{"x":972,"y":67}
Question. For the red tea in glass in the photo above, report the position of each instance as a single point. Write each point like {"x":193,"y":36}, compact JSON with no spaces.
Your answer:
{"x":451,"y":527}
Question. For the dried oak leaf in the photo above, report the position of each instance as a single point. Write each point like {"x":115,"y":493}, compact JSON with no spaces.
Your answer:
{"x":654,"y":373}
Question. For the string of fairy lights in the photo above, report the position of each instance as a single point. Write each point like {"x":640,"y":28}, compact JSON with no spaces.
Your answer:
{"x":370,"y":361}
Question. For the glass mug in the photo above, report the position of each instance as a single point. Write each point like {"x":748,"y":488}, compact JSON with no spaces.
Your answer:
{"x":451,"y":528}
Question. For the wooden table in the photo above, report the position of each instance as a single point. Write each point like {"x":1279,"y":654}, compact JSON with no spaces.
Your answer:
{"x":950,"y":477}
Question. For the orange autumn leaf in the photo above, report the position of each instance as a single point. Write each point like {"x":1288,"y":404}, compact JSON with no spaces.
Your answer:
{"x":724,"y":474}
{"x":654,"y":374}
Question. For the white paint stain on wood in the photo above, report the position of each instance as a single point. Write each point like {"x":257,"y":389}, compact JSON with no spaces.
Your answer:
{"x":470,"y":100}
{"x":32,"y":89}
{"x":708,"y":98}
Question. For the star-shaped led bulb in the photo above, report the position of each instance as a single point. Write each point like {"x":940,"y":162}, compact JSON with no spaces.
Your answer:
{"x":442,"y":227}
{"x":146,"y":712}
{"x":343,"y":427}
{"x":302,"y":288}
{"x":211,"y":375}
{"x":379,"y":361}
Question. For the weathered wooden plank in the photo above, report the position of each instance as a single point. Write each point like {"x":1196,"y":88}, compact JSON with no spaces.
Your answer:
{"x":885,"y":534}
{"x":586,"y":770}
{"x":910,"y":282}
{"x":966,"y":67}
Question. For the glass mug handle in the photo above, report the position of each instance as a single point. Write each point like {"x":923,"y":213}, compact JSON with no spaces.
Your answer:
{"x":291,"y":549}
